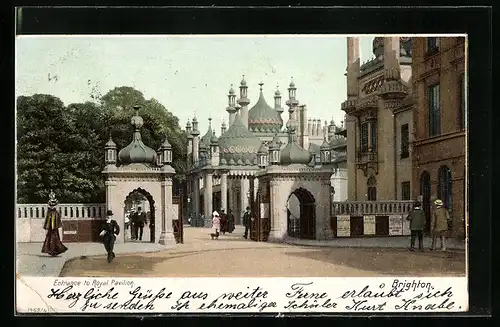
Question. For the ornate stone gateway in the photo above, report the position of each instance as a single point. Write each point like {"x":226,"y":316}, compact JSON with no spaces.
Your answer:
{"x":138,"y":167}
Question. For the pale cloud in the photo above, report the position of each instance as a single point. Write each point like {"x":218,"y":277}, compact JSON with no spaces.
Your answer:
{"x":189,"y":75}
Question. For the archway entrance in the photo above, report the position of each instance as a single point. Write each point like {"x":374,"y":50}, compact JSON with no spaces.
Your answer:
{"x":143,"y":199}
{"x":301,"y":214}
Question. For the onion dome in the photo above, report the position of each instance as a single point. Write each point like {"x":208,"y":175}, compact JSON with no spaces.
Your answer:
{"x":262,"y":117}
{"x":110,"y":143}
{"x":205,"y":139}
{"x":275,"y":143}
{"x":214,"y":139}
{"x":277,"y":93}
{"x":243,"y":82}
{"x":262,"y":149}
{"x":238,"y":146}
{"x":231,"y":90}
{"x":292,"y":84}
{"x":292,"y":153}
{"x":136,"y":151}
{"x":325,"y":145}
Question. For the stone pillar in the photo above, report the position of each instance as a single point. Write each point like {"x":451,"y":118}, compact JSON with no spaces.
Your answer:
{"x":113,"y":204}
{"x":207,"y":187}
{"x":223,"y":191}
{"x":196,"y":196}
{"x":167,"y":232}
{"x":255,"y":187}
{"x":353,"y":66}
{"x":244,"y":194}
{"x":324,"y":210}
{"x":277,"y":212}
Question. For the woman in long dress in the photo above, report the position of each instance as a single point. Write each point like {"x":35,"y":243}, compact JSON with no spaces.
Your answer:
{"x":52,"y":244}
{"x":215,"y":225}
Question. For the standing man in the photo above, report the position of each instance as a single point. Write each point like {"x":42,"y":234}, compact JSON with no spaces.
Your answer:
{"x":110,"y":230}
{"x":140,"y":222}
{"x":246,"y":221}
{"x":439,"y":224}
{"x":417,"y":226}
{"x":223,"y":222}
{"x":230,"y":221}
{"x":52,"y":244}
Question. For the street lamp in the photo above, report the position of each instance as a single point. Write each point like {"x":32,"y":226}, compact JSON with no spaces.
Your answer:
{"x":189,"y":208}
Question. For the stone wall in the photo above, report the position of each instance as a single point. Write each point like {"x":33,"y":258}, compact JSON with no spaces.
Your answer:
{"x":81,"y":222}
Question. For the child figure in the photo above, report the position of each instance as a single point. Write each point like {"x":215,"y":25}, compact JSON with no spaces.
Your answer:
{"x":215,"y":225}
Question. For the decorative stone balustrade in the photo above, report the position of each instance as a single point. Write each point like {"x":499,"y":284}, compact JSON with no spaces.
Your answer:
{"x":68,"y":211}
{"x":362,"y":208}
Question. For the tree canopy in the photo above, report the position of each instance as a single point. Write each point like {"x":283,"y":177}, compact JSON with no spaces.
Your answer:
{"x":62,"y":147}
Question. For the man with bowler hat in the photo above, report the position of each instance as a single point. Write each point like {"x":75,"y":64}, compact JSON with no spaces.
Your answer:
{"x":109,"y":232}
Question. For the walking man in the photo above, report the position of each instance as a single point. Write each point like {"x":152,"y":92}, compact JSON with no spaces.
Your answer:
{"x":140,"y":222}
{"x":417,"y":226}
{"x":246,"y":221}
{"x":439,"y":224}
{"x":109,"y":232}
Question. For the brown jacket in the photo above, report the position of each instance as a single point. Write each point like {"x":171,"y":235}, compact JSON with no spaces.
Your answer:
{"x":439,"y":220}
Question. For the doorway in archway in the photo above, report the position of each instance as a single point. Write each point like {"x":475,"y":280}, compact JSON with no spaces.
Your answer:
{"x":301,"y":212}
{"x":140,"y":198}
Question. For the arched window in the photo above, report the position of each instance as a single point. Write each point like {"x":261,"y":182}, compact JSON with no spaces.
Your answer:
{"x":425,"y":191}
{"x":444,"y":186}
{"x":372,"y":189}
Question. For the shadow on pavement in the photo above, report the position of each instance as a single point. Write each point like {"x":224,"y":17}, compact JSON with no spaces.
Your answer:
{"x":391,"y":261}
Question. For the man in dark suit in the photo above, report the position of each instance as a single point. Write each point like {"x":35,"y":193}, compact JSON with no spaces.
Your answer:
{"x":140,"y":221}
{"x":246,"y":221}
{"x":110,"y":230}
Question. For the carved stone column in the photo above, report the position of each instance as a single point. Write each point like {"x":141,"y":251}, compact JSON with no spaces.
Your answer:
{"x":278,"y":226}
{"x":113,"y":204}
{"x":244,"y":194}
{"x":223,"y":190}
{"x":255,"y":187}
{"x":326,"y":229}
{"x":208,"y":193}
{"x":196,"y":196}
{"x":167,"y":232}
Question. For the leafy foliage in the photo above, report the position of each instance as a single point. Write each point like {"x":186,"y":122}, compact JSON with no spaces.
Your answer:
{"x":62,"y":148}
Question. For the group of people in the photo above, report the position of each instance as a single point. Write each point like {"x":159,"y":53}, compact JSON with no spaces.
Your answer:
{"x":222,"y":223}
{"x":440,"y":221}
{"x":137,"y":220}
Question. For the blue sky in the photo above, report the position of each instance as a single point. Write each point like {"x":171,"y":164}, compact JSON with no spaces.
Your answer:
{"x":189,"y":74}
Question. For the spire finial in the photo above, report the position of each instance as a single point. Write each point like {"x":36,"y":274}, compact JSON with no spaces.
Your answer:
{"x":261,"y":84}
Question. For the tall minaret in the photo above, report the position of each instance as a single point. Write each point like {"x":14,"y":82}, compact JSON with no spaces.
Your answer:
{"x":231,"y":108}
{"x":190,"y":143}
{"x":353,"y":66}
{"x":292,"y":101}
{"x":277,"y":101}
{"x":244,"y":101}
{"x":196,"y":141}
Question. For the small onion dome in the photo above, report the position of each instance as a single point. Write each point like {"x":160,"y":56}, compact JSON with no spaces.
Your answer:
{"x":110,"y":143}
{"x":294,"y":154}
{"x":231,"y":90}
{"x":223,"y":124}
{"x":214,"y":139}
{"x":277,"y":93}
{"x":275,"y":143}
{"x":332,"y":123}
{"x":195,"y":120}
{"x":203,"y":147}
{"x":292,"y":84}
{"x":165,"y":144}
{"x":325,"y":145}
{"x":262,"y":149}
{"x":243,"y":82}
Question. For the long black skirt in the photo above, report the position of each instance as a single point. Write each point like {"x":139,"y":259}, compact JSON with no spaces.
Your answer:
{"x":53,"y":245}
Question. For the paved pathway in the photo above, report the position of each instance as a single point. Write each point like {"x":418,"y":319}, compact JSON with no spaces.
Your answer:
{"x":31,"y":262}
{"x":204,"y":251}
{"x":233,"y":256}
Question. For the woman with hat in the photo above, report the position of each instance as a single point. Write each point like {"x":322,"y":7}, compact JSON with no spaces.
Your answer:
{"x":52,"y":244}
{"x":215,"y":225}
{"x":439,"y":224}
{"x":110,"y":230}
